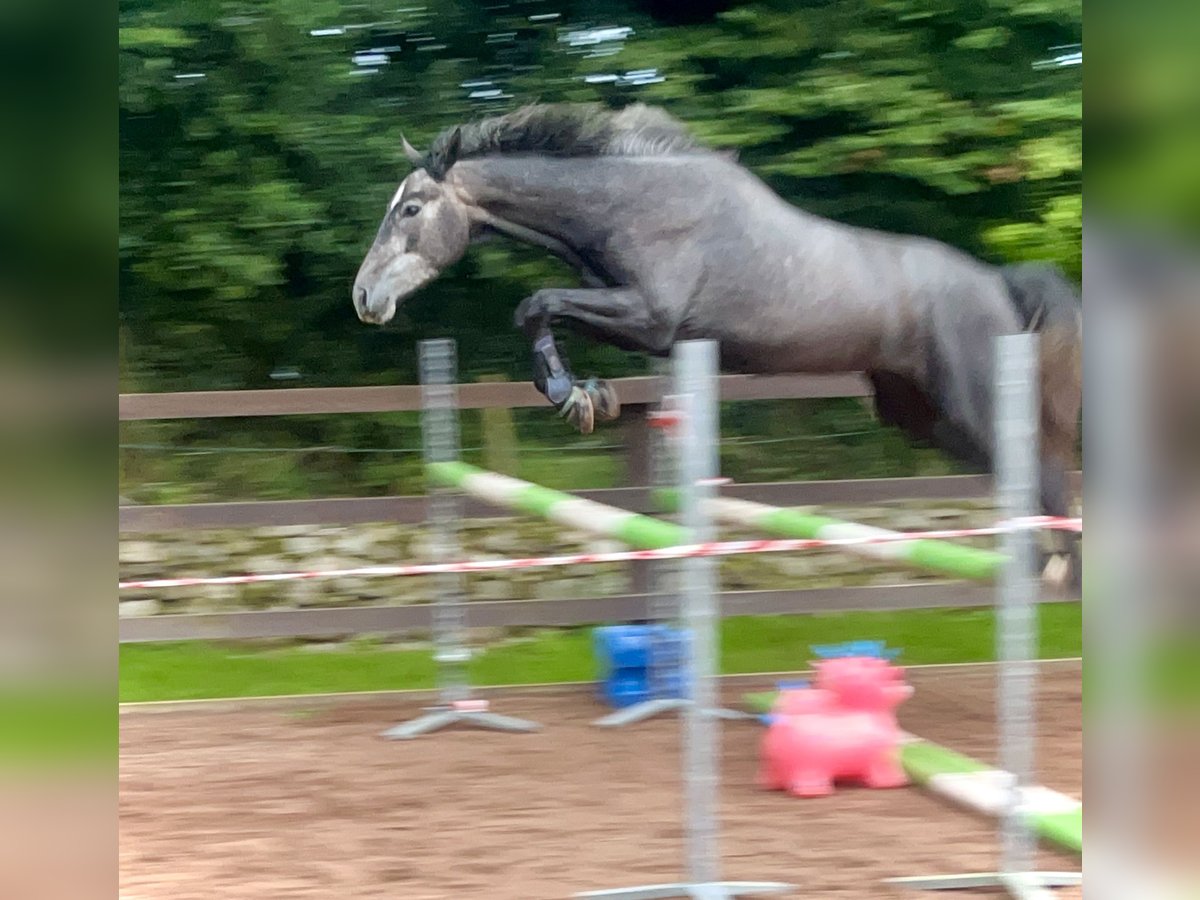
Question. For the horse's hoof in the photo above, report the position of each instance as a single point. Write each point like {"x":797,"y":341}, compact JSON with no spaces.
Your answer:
{"x":1062,"y":575}
{"x":605,"y":402}
{"x":579,"y":410}
{"x":1057,"y":571}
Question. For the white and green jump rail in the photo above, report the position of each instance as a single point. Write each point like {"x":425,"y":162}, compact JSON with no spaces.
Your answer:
{"x":976,"y":786}
{"x":966,"y":782}
{"x":943,"y":557}
{"x":959,"y":778}
{"x":648,"y":533}
{"x":630,"y":528}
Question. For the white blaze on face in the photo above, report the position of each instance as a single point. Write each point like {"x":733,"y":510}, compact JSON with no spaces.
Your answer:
{"x":396,"y":196}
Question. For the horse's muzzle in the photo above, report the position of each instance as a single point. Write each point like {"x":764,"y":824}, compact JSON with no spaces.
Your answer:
{"x":374,"y":313}
{"x":374,"y":307}
{"x":377,"y":293}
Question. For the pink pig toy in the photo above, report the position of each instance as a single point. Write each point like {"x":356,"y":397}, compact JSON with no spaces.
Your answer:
{"x":864,"y":683}
{"x":844,"y":728}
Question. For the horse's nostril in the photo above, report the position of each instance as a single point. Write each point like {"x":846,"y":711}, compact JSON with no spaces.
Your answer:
{"x":360,"y":298}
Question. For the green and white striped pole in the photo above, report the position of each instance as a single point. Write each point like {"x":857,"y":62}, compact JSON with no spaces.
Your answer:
{"x":975,"y":785}
{"x":969,"y":783}
{"x":971,"y":563}
{"x":630,"y":528}
{"x":648,"y":533}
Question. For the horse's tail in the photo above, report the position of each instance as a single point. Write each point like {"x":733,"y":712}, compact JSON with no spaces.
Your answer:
{"x":1049,"y":304}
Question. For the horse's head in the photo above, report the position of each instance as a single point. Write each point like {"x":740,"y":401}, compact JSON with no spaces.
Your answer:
{"x":426,"y":229}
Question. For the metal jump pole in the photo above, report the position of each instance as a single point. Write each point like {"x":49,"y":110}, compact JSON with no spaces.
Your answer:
{"x":665,"y":605}
{"x":695,"y":387}
{"x":440,"y":442}
{"x":1017,"y":475}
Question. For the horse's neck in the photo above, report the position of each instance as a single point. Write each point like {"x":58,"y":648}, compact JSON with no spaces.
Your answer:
{"x":535,"y":195}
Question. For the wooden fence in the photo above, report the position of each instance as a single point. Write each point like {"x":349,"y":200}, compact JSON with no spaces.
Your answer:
{"x":637,"y":394}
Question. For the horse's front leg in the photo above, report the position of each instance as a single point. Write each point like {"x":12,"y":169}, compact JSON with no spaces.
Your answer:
{"x":617,"y":316}
{"x":579,"y":402}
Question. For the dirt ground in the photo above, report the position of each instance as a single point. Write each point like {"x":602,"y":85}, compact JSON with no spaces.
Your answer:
{"x":309,"y":802}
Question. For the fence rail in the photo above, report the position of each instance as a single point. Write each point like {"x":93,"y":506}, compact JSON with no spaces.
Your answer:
{"x":636,"y":395}
{"x":336,"y":622}
{"x":410,"y":510}
{"x":483,"y":395}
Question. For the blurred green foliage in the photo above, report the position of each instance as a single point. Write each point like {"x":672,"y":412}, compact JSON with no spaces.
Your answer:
{"x":260,"y":142}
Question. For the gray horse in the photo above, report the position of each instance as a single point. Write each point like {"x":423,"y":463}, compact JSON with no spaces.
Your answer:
{"x":674,"y":241}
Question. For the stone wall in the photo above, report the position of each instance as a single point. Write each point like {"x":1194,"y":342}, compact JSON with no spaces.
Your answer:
{"x":300,"y":548}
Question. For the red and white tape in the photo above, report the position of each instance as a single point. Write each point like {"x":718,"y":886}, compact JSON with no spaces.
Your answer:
{"x":715,"y":548}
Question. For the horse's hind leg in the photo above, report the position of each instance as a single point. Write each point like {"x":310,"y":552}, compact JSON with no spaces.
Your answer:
{"x":901,"y":403}
{"x":959,"y":441}
{"x":1060,"y":564}
{"x":1063,"y":566}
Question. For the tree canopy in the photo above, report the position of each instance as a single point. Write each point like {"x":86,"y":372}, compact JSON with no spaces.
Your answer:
{"x":260,"y":142}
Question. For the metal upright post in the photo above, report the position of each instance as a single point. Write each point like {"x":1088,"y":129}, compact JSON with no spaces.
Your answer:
{"x":696,"y":467}
{"x":440,"y":441}
{"x":1017,"y":475}
{"x":659,"y":578}
{"x":662,"y":576}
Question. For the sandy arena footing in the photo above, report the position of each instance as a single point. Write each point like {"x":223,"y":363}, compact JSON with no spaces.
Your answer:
{"x":309,"y":802}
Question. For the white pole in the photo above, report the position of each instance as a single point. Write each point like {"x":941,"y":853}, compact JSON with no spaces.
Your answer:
{"x":696,"y":450}
{"x":696,"y":364}
{"x":1017,"y":476}
{"x":1016,"y":467}
{"x":438,"y":361}
{"x":438,"y":365}
{"x":664,"y":604}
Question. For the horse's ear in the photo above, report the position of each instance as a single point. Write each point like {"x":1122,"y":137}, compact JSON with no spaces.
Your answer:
{"x":444,"y":154}
{"x":453,"y":147}
{"x":414,"y":155}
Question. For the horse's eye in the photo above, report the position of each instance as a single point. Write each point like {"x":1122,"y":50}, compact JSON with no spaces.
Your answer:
{"x":410,"y":209}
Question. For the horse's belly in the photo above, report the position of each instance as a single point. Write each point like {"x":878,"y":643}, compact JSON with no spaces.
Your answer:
{"x":787,"y":353}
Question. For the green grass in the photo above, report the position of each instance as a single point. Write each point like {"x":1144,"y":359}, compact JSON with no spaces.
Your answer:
{"x":195,"y":670}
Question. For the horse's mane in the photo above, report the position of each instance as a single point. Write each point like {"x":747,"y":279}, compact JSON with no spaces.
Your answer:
{"x":563,"y":130}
